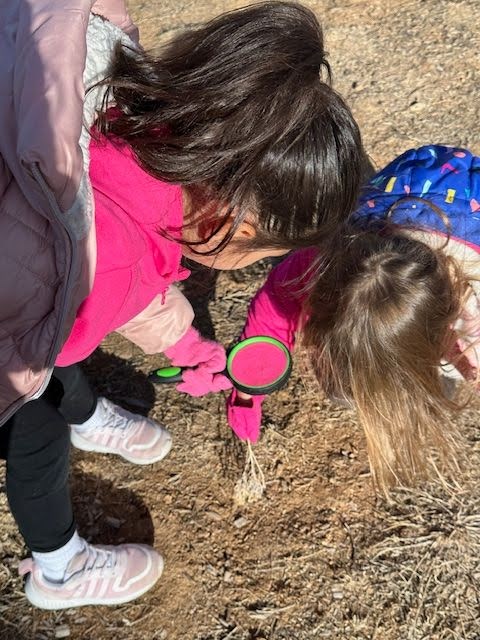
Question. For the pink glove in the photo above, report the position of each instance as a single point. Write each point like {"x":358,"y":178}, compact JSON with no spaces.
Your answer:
{"x":207,"y":357}
{"x":245,"y":416}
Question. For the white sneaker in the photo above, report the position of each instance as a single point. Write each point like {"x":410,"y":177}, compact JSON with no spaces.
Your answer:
{"x":132,"y":436}
{"x":98,"y":575}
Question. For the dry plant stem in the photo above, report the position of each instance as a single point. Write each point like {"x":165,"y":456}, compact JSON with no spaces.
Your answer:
{"x":251,"y":485}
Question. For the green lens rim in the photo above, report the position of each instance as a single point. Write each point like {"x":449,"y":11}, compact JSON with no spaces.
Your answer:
{"x":255,"y":340}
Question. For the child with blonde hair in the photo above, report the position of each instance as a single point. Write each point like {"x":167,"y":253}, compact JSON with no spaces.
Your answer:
{"x":388,"y":311}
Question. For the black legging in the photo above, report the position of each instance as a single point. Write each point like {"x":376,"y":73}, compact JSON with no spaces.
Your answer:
{"x":35,"y":442}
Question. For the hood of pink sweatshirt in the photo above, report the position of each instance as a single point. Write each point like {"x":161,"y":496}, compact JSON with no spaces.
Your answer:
{"x":137,"y":219}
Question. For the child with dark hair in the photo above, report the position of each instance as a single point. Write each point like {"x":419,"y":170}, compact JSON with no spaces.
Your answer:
{"x":226,"y":147}
{"x":241,"y":113}
{"x":388,"y":311}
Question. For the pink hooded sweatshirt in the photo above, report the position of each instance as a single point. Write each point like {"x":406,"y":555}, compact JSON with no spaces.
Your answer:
{"x":276,"y":309}
{"x":135,"y":215}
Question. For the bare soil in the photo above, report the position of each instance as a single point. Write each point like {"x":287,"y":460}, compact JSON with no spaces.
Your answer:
{"x":319,"y":556}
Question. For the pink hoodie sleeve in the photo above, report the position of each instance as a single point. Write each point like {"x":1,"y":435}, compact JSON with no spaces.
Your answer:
{"x":277,"y":307}
{"x":275,"y":311}
{"x":160,"y":325}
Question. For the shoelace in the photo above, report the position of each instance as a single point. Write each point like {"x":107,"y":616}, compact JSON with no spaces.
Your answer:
{"x":116,"y":418}
{"x":99,"y":560}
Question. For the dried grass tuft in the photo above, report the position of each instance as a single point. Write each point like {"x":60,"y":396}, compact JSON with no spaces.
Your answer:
{"x":420,"y":574}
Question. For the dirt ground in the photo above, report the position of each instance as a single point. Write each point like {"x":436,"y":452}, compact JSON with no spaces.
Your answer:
{"x":318,"y":557}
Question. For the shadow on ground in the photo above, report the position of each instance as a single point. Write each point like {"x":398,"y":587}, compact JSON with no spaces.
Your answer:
{"x":120,"y":380}
{"x":107,"y":514}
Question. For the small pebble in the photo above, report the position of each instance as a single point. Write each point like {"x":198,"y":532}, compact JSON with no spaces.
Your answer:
{"x":213,"y":515}
{"x":63,"y":631}
{"x":240,"y":522}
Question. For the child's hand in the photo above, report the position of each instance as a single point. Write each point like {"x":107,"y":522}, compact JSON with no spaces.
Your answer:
{"x":209,"y":360}
{"x":244,"y":414}
{"x":198,"y":382}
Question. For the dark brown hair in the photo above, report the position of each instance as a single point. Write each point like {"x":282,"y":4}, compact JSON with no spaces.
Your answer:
{"x":242,"y":107}
{"x":380,"y":320}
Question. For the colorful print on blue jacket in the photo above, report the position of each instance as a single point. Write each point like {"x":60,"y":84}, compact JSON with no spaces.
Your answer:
{"x":447,"y":177}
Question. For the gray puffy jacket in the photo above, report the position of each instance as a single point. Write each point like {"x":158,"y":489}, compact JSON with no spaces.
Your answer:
{"x":50,"y":50}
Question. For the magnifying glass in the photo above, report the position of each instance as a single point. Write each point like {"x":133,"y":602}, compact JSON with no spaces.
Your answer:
{"x":256,"y":366}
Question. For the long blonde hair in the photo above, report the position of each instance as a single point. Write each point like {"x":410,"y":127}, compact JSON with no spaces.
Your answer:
{"x":379,"y":322}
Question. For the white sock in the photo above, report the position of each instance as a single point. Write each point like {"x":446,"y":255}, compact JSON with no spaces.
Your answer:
{"x":53,"y":564}
{"x":97,"y":419}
